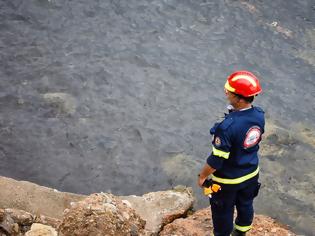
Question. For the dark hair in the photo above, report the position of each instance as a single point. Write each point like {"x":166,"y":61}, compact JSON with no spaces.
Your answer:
{"x":247,"y":99}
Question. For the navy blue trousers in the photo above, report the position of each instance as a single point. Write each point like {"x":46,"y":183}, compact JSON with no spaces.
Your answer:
{"x":223,"y":202}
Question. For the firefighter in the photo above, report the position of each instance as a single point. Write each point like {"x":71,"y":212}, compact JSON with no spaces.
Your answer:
{"x":233,"y":162}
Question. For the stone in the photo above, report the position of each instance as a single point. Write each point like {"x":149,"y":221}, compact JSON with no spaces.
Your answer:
{"x":33,"y":198}
{"x":63,"y":102}
{"x":200,"y":224}
{"x":7,"y":224}
{"x":41,"y":230}
{"x":20,"y":217}
{"x":196,"y":224}
{"x":161,"y":208}
{"x":2,"y":214}
{"x":46,"y":220}
{"x":96,"y":216}
{"x":17,"y":222}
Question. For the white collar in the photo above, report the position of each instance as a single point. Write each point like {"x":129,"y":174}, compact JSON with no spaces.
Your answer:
{"x":231,"y":108}
{"x":246,"y":109}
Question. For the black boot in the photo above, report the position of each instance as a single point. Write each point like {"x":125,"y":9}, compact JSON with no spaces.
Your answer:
{"x":238,"y":233}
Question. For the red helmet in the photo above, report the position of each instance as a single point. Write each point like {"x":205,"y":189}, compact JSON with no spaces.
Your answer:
{"x":243,"y":83}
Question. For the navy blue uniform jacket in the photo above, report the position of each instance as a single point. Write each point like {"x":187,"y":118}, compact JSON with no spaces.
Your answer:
{"x":235,"y":146}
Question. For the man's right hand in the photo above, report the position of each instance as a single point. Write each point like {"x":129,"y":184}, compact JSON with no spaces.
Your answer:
{"x":205,"y":172}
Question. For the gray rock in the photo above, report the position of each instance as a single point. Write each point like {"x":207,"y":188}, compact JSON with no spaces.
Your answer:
{"x":34,"y":199}
{"x":162,"y":207}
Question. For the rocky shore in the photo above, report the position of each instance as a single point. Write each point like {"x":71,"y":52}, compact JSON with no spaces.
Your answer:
{"x":32,"y":210}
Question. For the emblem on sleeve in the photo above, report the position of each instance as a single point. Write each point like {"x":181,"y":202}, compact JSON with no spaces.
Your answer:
{"x":252,"y":137}
{"x":217,"y":141}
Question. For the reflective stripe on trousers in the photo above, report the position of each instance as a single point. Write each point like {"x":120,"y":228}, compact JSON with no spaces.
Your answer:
{"x":242,"y":228}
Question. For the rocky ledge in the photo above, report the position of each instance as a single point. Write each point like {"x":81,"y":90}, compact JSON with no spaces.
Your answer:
{"x":157,"y":213}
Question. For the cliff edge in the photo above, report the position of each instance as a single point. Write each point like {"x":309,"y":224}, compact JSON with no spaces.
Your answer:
{"x":32,"y":210}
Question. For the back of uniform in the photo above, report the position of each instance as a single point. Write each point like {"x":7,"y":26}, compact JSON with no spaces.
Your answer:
{"x":235,"y":146}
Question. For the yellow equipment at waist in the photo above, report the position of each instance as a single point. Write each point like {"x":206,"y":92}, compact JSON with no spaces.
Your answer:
{"x":212,"y":189}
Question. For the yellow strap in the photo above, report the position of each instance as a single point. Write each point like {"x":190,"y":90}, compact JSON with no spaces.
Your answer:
{"x":237,"y":180}
{"x":220,"y":153}
{"x":243,"y":228}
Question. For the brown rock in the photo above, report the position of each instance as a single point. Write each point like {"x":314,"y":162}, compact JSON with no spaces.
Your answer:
{"x":200,"y":224}
{"x":20,"y":217}
{"x":7,"y":224}
{"x":270,"y":227}
{"x":17,"y":222}
{"x":38,"y":200}
{"x":101,"y":214}
{"x":161,"y":208}
{"x":53,"y":222}
{"x":2,"y":214}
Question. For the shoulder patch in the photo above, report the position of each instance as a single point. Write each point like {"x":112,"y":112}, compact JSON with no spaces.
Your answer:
{"x":226,"y":123}
{"x":217,"y":141}
{"x":253,"y":137}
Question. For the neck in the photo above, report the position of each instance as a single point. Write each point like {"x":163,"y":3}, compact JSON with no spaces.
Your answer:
{"x":241,"y":106}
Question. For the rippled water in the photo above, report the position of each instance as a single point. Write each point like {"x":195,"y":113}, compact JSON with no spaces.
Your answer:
{"x":118,"y":96}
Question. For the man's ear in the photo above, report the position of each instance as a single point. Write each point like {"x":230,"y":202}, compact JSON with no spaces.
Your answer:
{"x":239,"y":99}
